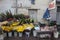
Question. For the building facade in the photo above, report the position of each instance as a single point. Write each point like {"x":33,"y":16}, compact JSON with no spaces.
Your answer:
{"x":34,"y":8}
{"x":58,"y":11}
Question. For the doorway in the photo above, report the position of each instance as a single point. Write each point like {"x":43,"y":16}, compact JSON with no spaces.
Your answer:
{"x":33,"y":14}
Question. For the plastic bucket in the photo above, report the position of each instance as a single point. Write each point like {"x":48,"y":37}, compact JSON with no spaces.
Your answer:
{"x":56,"y":34}
{"x":20,"y":34}
{"x":34,"y":33}
{"x":10,"y":34}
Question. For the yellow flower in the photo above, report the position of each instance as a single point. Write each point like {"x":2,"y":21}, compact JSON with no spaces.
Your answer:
{"x":3,"y":27}
{"x":6,"y":28}
{"x":15,"y":23}
{"x":31,"y":24}
{"x":20,"y":28}
{"x":25,"y":25}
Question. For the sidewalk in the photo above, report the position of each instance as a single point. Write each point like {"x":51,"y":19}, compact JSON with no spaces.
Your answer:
{"x":30,"y":38}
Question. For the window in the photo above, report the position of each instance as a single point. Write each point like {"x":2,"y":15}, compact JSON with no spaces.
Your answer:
{"x":58,"y":1}
{"x":32,"y":1}
{"x":58,"y":8}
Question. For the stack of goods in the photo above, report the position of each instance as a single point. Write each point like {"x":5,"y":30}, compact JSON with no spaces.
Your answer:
{"x":16,"y":23}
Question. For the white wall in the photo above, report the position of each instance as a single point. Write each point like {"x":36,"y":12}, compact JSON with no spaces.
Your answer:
{"x":40,"y":4}
{"x":53,"y":13}
{"x":8,"y":4}
{"x":5,"y":5}
{"x":43,"y":5}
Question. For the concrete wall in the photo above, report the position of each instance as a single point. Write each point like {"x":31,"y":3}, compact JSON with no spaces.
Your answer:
{"x":39,"y":4}
{"x":6,"y":5}
{"x":53,"y":13}
{"x":42,"y":5}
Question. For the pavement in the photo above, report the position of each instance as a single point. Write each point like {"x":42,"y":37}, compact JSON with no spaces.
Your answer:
{"x":25,"y":37}
{"x":29,"y":38}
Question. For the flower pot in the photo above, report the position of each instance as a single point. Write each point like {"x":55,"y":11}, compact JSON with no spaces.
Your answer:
{"x":10,"y":34}
{"x":56,"y":34}
{"x":34,"y":33}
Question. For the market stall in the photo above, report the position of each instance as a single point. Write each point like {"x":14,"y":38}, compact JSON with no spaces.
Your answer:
{"x":13,"y":24}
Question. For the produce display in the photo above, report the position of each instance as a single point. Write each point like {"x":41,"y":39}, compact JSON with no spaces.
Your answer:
{"x":18,"y":23}
{"x":18,"y":28}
